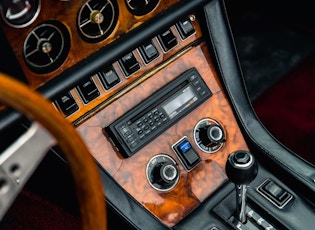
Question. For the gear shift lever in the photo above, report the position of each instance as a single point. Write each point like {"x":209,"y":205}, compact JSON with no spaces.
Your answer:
{"x":241,"y":168}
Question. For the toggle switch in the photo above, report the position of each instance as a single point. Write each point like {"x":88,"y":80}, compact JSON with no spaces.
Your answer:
{"x":275,"y":193}
{"x":187,"y":155}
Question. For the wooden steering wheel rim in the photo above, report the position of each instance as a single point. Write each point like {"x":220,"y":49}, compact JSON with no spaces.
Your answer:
{"x":86,"y":177}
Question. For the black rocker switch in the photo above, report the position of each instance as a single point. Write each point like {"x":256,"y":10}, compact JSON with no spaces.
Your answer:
{"x":186,"y":154}
{"x":275,"y":193}
{"x":148,"y":52}
{"x":129,"y":64}
{"x":185,"y":28}
{"x":167,"y":40}
{"x":88,"y":90}
{"x":108,"y":77}
{"x":241,"y":168}
{"x":67,"y":104}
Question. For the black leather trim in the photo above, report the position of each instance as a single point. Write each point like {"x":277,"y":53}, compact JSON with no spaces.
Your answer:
{"x":298,"y":213}
{"x":262,"y":143}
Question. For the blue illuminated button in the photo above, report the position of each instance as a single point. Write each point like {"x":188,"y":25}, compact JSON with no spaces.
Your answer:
{"x":184,"y":146}
{"x":187,"y":154}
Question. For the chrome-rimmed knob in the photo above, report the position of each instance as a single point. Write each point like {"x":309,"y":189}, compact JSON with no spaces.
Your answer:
{"x":209,"y":135}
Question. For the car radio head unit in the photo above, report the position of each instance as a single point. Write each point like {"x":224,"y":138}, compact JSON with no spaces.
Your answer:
{"x":150,"y":118}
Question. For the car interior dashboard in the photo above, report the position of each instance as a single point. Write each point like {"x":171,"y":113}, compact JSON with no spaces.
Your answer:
{"x":156,"y":92}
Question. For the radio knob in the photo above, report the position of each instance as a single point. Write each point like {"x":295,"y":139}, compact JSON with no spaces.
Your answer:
{"x":209,"y":135}
{"x":162,"y":172}
{"x":167,"y":173}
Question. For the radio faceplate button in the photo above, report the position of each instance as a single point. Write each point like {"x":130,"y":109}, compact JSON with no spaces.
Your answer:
{"x":125,"y":131}
{"x":202,"y":93}
{"x":130,"y":138}
{"x":196,"y":82}
{"x":133,"y":144}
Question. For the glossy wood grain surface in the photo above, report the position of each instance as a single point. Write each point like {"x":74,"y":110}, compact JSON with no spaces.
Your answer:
{"x":145,"y":71}
{"x":193,"y":186}
{"x":66,"y":12}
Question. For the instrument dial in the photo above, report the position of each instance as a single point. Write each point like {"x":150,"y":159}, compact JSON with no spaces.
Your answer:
{"x":19,"y":13}
{"x":141,"y":7}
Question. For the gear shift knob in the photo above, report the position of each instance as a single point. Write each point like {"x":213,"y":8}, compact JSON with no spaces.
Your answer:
{"x":241,"y":168}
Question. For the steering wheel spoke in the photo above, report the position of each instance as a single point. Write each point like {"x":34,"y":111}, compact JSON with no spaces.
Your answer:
{"x":19,"y":161}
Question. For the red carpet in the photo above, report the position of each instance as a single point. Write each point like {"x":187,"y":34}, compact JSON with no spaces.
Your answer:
{"x":288,"y":109}
{"x":32,"y":212}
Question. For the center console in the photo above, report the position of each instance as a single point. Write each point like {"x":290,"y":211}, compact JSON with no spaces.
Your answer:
{"x":160,"y":102}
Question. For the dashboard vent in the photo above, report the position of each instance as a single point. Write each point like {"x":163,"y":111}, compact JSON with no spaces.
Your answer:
{"x":141,"y":7}
{"x":19,"y":14}
{"x":46,"y":47}
{"x":97,"y":19}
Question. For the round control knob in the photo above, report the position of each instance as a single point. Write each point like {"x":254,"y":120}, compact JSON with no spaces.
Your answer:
{"x":209,"y":135}
{"x":162,"y":172}
{"x":241,"y":167}
{"x":166,"y":173}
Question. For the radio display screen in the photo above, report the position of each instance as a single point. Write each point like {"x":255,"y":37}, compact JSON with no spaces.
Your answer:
{"x":179,"y":101}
